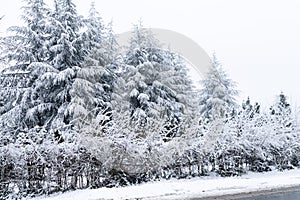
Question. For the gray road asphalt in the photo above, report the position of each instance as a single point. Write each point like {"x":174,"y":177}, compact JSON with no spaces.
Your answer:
{"x":292,"y":193}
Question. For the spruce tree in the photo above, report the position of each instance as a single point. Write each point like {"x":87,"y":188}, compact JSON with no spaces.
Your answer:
{"x":93,"y":85}
{"x":282,"y":110}
{"x":157,"y":85}
{"x":25,"y":51}
{"x":281,"y":106}
{"x":27,"y":44}
{"x":248,"y":109}
{"x":66,"y":44}
{"x":51,"y":91}
{"x":218,"y":93}
{"x":94,"y":39}
{"x":46,"y":100}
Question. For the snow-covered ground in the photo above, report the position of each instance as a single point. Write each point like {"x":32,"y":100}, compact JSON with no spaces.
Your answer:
{"x":189,"y":188}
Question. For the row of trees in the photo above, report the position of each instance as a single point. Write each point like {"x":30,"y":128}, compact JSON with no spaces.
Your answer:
{"x":75,"y":113}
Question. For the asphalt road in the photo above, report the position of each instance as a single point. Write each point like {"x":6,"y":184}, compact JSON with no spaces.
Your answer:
{"x":292,"y":193}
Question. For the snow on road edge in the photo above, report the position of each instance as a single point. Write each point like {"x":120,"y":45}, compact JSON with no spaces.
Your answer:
{"x":188,"y":188}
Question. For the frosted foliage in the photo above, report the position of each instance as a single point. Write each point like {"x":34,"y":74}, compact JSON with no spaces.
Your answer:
{"x":27,"y":44}
{"x":157,"y":90}
{"x":91,"y":94}
{"x":217,"y":96}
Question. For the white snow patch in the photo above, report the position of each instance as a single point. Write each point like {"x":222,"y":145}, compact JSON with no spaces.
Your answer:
{"x":188,"y":188}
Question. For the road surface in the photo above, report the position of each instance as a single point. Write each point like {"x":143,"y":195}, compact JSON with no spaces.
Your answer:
{"x":292,"y":193}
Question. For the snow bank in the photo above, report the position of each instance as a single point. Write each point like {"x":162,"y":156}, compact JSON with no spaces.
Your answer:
{"x":189,"y":188}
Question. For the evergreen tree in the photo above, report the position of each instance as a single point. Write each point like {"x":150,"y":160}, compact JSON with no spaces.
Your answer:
{"x":91,"y":96}
{"x":25,"y":51}
{"x":281,"y":111}
{"x":217,"y":96}
{"x":27,"y":43}
{"x":93,"y":85}
{"x":142,"y":47}
{"x":51,"y":89}
{"x":250,"y":110}
{"x":157,"y":85}
{"x":94,"y":39}
{"x":47,"y":96}
{"x":65,"y":44}
{"x":112,"y":48}
{"x":281,"y":106}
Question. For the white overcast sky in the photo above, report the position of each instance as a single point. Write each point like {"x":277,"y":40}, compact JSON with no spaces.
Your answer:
{"x":257,"y":41}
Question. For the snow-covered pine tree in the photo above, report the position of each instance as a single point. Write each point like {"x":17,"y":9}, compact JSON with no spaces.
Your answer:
{"x":25,"y":46}
{"x":66,"y":43}
{"x":284,"y":132}
{"x":248,"y":109}
{"x":142,"y":46}
{"x":218,"y":93}
{"x":184,"y":111}
{"x":216,"y":101}
{"x":282,"y":110}
{"x":27,"y":117}
{"x":157,"y":84}
{"x":247,"y":105}
{"x":47,"y":101}
{"x":93,"y":85}
{"x":91,"y":96}
{"x":66,"y":58}
{"x":112,"y":48}
{"x":93,"y":38}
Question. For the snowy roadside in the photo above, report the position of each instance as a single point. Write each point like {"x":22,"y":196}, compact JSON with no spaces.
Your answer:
{"x":189,"y":188}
